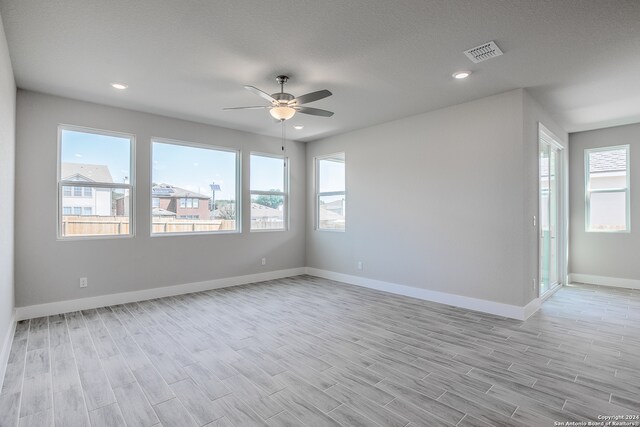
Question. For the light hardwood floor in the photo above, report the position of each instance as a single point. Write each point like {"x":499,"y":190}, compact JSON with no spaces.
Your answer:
{"x":308,"y":351}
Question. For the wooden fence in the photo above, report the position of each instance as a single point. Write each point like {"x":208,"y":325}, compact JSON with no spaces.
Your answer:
{"x":119,"y":225}
{"x":94,"y":225}
{"x":191,"y":226}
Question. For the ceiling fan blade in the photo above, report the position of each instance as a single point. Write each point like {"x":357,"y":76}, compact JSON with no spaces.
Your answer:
{"x":256,"y":107}
{"x":310,"y":97}
{"x":314,"y":111}
{"x":261,"y":94}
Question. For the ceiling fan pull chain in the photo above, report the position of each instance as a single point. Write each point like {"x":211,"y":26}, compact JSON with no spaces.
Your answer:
{"x":284,"y":141}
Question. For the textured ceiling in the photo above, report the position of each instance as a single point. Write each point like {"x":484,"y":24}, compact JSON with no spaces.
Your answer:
{"x":382,"y":59}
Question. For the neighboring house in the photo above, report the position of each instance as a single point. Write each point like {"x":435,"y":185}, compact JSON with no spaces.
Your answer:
{"x":183,"y":203}
{"x":329,"y":218}
{"x":86,"y":200}
{"x":163,"y":213}
{"x":337,"y":207}
{"x":265,"y":213}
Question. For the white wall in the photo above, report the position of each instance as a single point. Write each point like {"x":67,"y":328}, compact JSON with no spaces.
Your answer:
{"x":7,"y":181}
{"x":48,"y":270}
{"x":441,"y":201}
{"x":607,"y":255}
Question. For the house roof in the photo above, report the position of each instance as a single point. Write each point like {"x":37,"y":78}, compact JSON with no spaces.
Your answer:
{"x":162,"y":212}
{"x":262,"y":211}
{"x":329,"y":215}
{"x":336,"y":204}
{"x":86,"y":172}
{"x":171,"y":191}
{"x":608,"y":161}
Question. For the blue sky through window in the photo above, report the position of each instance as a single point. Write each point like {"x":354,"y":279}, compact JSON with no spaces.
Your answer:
{"x":195,"y":168}
{"x":95,"y":149}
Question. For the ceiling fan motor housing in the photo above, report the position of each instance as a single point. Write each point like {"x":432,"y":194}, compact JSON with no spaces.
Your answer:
{"x":282,"y":97}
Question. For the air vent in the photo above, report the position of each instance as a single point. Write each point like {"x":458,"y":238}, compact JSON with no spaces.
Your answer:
{"x":483,"y":52}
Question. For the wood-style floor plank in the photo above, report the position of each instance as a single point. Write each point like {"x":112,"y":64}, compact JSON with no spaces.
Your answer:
{"x":306,"y":351}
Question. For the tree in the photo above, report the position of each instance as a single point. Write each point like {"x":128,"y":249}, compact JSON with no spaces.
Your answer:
{"x":271,"y":201}
{"x":226,"y":209}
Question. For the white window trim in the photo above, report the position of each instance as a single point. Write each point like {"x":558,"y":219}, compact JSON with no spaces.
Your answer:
{"x":285,"y":193}
{"x":238,"y":153}
{"x":587,"y":192}
{"x":319,"y":194}
{"x":130,"y":186}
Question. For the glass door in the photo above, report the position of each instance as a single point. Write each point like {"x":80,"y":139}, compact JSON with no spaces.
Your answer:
{"x":549,"y":161}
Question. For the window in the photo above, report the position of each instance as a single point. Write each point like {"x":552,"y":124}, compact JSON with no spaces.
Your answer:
{"x":330,"y":192}
{"x":607,"y":189}
{"x":269,"y":188}
{"x":94,"y":175}
{"x":155,"y":202}
{"x":198,"y":187}
{"x":189,"y":203}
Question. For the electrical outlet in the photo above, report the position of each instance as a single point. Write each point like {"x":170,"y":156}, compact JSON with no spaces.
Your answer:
{"x":264,"y":261}
{"x":84,"y":282}
{"x":360,"y":265}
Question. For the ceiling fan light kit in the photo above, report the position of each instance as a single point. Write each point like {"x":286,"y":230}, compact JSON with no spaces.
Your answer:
{"x":284,"y":105}
{"x":282,"y":113}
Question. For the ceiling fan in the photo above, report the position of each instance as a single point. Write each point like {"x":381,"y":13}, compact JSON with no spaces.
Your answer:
{"x":284,"y":105}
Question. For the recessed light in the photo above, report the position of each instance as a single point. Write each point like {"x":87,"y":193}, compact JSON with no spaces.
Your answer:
{"x":119,"y":86}
{"x":461,"y":74}
{"x":298,"y":127}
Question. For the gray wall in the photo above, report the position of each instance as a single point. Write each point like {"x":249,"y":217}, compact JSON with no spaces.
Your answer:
{"x":7,"y":181}
{"x":604,"y":254}
{"x":441,"y":201}
{"x":48,"y":270}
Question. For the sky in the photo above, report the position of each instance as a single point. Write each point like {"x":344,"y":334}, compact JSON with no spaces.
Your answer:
{"x":194,"y":168}
{"x":188,"y":167}
{"x":94,"y":149}
{"x":332,"y":175}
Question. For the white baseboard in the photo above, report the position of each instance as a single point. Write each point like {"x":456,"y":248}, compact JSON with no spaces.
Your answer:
{"x":615,"y":282}
{"x":59,"y":307}
{"x":5,"y":350}
{"x":531,"y":308}
{"x":485,"y":306}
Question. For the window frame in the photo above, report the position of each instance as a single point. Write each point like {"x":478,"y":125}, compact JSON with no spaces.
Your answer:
{"x":319,"y":194}
{"x":189,"y":144}
{"x":626,"y":189}
{"x":130,"y":186}
{"x":284,"y":193}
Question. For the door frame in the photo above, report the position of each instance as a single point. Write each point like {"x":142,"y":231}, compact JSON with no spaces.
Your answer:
{"x":562,"y":214}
